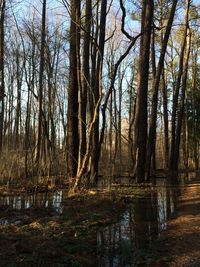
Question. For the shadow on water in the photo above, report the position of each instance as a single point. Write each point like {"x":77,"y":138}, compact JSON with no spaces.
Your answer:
{"x":128,"y":242}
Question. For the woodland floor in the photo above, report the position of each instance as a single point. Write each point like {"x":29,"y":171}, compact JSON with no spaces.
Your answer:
{"x":41,"y":237}
{"x":180,"y":244}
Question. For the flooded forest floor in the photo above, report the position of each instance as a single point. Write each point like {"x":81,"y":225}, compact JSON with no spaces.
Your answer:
{"x":41,"y":236}
{"x":179,"y":245}
{"x":124,"y":226}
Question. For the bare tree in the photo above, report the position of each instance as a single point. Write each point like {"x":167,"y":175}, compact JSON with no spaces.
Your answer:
{"x":140,"y":129}
{"x":73,"y":89}
{"x":2,"y":83}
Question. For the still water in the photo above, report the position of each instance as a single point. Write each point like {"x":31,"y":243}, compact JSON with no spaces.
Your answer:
{"x":127,"y":242}
{"x":23,"y":202}
{"x":124,"y":242}
{"x":50,"y":200}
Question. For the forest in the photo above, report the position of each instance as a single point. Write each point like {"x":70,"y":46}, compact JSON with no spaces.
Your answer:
{"x":99,"y":133}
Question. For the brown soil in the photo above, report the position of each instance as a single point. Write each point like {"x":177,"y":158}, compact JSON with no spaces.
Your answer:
{"x":180,"y":244}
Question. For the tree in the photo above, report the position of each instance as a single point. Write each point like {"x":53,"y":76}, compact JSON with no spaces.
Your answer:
{"x":156,"y":83}
{"x":2,"y":83}
{"x":73,"y":89}
{"x":85,"y":81}
{"x":41,"y":83}
{"x":97,"y":89}
{"x":140,"y":129}
{"x":175,"y":136}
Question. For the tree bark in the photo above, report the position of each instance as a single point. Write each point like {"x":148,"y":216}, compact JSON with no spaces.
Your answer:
{"x":2,"y":83}
{"x":72,"y":122}
{"x":97,"y":92}
{"x":165,"y":115}
{"x":140,"y":129}
{"x":173,"y":163}
{"x":153,"y":120}
{"x":182,"y":104}
{"x":85,"y":80}
{"x":40,"y":94}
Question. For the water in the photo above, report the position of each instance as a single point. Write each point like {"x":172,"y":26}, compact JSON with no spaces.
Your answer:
{"x":53,"y":201}
{"x":123,"y":243}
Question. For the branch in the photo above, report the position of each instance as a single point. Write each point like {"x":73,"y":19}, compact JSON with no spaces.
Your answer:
{"x":123,"y":21}
{"x":112,"y":86}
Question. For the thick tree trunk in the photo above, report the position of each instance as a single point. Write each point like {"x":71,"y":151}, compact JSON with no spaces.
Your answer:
{"x":153,"y":120}
{"x":72,"y":122}
{"x":141,"y":104}
{"x":173,"y":161}
{"x":195,"y":119}
{"x":97,"y":92}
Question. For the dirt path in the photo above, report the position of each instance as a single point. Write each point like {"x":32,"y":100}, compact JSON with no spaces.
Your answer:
{"x":180,"y":244}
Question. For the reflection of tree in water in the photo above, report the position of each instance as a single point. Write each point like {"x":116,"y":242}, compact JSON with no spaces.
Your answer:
{"x":166,"y":198}
{"x":146,"y":221}
{"x":48,"y":200}
{"x":119,"y":244}
{"x":114,"y":243}
{"x":128,"y":241}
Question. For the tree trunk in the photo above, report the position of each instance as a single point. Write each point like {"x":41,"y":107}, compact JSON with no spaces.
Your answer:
{"x":72,"y":122}
{"x":97,"y":92}
{"x":40,"y":95}
{"x":166,"y":128}
{"x":141,"y":104}
{"x":173,"y":161}
{"x":85,"y":89}
{"x":2,"y":85}
{"x":19,"y":74}
{"x":182,"y":104}
{"x":153,"y":120}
